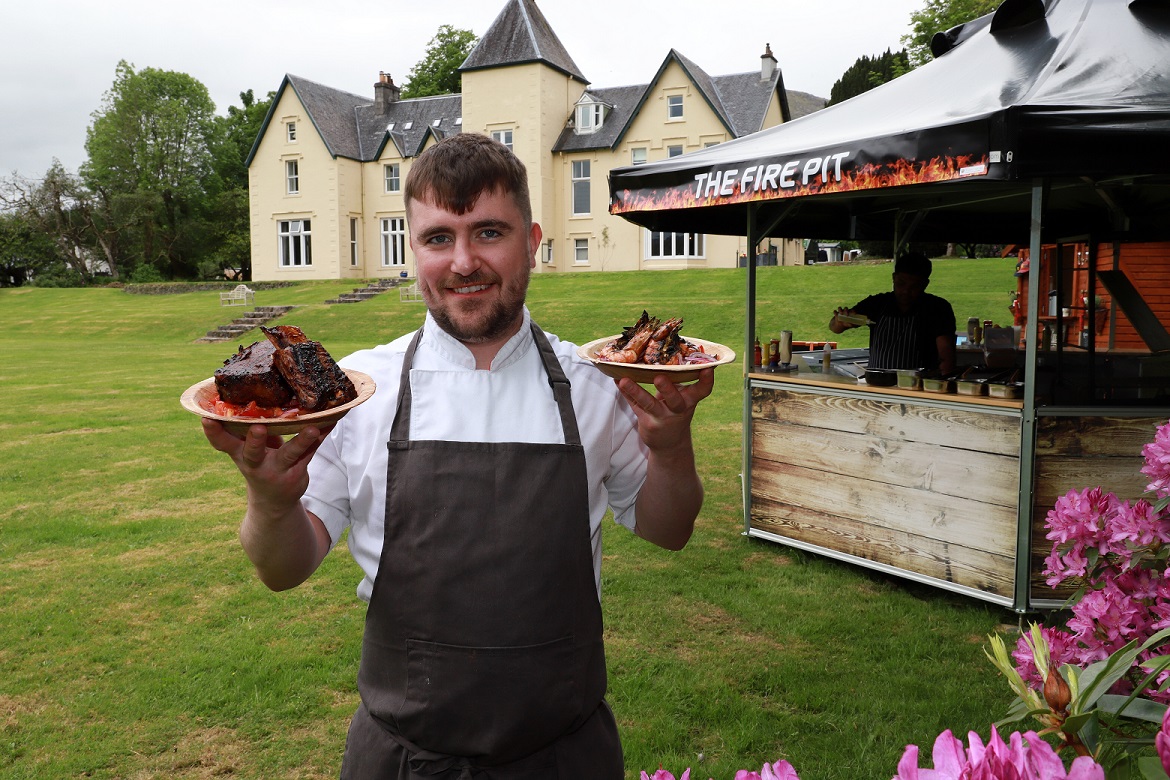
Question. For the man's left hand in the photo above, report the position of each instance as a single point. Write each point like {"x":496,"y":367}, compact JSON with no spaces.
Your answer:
{"x":664,"y":420}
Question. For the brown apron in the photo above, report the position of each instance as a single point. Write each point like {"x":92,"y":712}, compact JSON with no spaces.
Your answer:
{"x":482,"y":655}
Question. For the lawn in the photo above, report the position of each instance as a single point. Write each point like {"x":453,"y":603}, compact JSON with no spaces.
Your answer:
{"x":135,"y":641}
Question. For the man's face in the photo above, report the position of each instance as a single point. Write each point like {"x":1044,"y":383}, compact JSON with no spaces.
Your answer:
{"x":908,"y":288}
{"x":473,"y":268}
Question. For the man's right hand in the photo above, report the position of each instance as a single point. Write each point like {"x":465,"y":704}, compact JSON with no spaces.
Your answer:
{"x":285,"y":542}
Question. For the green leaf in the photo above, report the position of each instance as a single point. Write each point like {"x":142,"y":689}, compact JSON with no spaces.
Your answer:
{"x":1132,"y":707}
{"x":1150,"y":768}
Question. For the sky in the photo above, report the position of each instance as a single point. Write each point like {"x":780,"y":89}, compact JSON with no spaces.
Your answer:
{"x":59,"y":56}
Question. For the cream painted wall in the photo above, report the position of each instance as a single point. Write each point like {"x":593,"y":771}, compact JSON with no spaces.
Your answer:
{"x":317,"y":199}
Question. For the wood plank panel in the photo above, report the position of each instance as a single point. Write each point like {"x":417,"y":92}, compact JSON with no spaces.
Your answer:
{"x":964,"y":566}
{"x":966,"y":473}
{"x":950,"y":519}
{"x":945,"y":426}
{"x":1094,"y":436}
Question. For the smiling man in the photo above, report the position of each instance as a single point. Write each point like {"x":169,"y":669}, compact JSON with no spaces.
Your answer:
{"x":473,"y":485}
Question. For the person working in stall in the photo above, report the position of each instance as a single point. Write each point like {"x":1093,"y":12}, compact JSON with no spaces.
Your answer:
{"x":908,"y":327}
{"x":473,"y":485}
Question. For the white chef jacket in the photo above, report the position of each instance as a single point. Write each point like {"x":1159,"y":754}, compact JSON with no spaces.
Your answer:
{"x":452,"y":401}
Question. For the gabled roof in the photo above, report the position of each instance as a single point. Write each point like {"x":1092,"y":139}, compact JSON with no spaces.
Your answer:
{"x":520,"y":35}
{"x":350,"y":125}
{"x":740,"y":100}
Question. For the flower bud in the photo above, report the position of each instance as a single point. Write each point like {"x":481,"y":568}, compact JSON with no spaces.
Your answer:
{"x":1056,"y":691}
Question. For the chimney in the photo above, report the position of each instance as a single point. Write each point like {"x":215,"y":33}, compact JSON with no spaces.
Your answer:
{"x":385,"y":93}
{"x":767,"y":63}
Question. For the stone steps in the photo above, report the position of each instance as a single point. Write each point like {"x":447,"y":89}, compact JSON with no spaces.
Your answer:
{"x":260,"y":315}
{"x":371,"y":290}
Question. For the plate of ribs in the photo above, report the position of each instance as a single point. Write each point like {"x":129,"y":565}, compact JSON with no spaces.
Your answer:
{"x":652,"y":347}
{"x":285,"y":382}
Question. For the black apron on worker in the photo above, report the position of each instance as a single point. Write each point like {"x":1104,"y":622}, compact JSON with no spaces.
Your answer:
{"x":482,"y":655}
{"x":894,"y":343}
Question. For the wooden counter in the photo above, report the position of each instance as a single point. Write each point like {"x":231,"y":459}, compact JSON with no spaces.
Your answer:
{"x":924,"y":485}
{"x":928,"y":485}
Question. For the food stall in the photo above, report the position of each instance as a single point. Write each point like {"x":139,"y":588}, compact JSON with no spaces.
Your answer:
{"x":1030,"y":127}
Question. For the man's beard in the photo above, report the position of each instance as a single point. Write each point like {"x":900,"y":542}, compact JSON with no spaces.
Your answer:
{"x":484,"y":326}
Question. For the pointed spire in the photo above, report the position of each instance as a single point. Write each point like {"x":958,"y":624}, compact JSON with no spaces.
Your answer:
{"x":520,"y":35}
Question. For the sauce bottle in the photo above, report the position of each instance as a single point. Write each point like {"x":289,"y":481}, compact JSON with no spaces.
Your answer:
{"x":758,"y":356}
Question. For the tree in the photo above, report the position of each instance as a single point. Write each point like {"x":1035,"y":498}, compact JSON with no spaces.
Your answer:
{"x":868,"y":72}
{"x":938,"y":16}
{"x":437,"y":73}
{"x":150,"y":155}
{"x":25,"y":252}
{"x":81,"y":223}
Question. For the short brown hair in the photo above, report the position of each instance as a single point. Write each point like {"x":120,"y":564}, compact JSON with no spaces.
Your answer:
{"x":456,"y":171}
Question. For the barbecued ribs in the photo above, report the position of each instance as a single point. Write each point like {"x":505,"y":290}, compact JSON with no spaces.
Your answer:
{"x":288,"y":365}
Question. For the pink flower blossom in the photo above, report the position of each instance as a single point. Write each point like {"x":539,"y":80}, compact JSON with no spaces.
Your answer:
{"x":1062,"y":650}
{"x":997,"y":760}
{"x":1162,"y":742}
{"x":1157,"y":468}
{"x":662,"y":774}
{"x":781,"y":770}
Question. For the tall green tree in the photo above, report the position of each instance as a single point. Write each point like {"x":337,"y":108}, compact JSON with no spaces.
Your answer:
{"x":937,"y":16}
{"x":437,"y":73}
{"x":868,"y":72}
{"x":25,"y":252}
{"x":228,"y":225}
{"x":150,"y":155}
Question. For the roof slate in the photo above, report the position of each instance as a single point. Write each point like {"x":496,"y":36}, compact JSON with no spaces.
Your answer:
{"x":519,"y":35}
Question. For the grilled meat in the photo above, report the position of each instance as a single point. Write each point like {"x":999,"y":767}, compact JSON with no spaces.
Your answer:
{"x":250,"y":375}
{"x":317,"y":381}
{"x":288,"y":369}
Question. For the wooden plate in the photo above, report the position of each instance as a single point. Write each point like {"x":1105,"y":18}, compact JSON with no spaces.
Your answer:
{"x":645,"y":374}
{"x":203,"y":392}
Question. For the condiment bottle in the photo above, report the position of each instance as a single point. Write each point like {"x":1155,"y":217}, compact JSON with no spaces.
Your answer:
{"x":773,"y":353}
{"x":758,"y":357}
{"x":785,"y":347}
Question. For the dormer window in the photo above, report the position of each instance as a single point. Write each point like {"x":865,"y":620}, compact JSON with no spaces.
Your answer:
{"x":590,"y":115}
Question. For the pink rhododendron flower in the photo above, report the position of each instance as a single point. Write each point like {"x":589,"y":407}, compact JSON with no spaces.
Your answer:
{"x":781,"y":770}
{"x":662,"y":774}
{"x":1157,"y":468}
{"x":1162,"y":742}
{"x":997,"y":760}
{"x":1062,"y":650}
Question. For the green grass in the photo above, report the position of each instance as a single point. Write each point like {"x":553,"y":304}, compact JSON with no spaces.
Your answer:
{"x":135,"y":641}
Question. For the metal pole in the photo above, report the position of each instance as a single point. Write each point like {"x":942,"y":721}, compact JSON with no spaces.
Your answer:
{"x":1023,"y":586}
{"x":749,"y":343}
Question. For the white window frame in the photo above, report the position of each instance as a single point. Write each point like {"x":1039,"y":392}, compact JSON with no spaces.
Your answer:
{"x":294,"y":243}
{"x":580,"y":188}
{"x":290,"y":129}
{"x":667,"y":245}
{"x":548,"y":252}
{"x":393,"y":241}
{"x":392,"y":177}
{"x":674,"y":150}
{"x":639,"y":155}
{"x":580,"y":251}
{"x":674,"y":108}
{"x":590,"y":117}
{"x":353,"y":241}
{"x":506,"y":137}
{"x":292,"y":177}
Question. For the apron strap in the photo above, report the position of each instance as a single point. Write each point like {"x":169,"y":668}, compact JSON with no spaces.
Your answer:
{"x":561,"y":389}
{"x":400,"y":429}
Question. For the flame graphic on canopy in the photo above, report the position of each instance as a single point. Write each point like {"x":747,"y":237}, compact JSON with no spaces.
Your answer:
{"x":897,"y":173}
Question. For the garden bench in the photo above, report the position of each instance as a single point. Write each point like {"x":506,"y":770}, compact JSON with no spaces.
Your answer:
{"x":241,"y":295}
{"x":409,"y":293}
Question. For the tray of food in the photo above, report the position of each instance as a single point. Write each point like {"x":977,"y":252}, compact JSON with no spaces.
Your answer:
{"x":286,"y":383}
{"x":652,"y":347}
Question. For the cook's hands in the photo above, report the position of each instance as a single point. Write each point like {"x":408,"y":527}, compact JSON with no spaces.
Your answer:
{"x":275,"y":470}
{"x":664,"y":420}
{"x":836,"y":324}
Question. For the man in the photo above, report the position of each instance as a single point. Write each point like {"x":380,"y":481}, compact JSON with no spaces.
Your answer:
{"x":909,"y":327}
{"x":473,"y":485}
